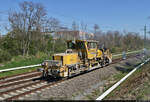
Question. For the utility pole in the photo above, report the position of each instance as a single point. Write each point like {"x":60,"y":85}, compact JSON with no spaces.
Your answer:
{"x":144,"y":36}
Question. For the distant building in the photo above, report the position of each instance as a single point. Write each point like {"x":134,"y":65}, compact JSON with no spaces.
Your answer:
{"x":70,"y":35}
{"x":48,"y":33}
{"x":52,"y":31}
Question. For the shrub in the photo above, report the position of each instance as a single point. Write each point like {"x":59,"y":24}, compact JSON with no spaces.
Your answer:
{"x":113,"y":50}
{"x":116,"y":49}
{"x":4,"y":56}
{"x":40,"y":55}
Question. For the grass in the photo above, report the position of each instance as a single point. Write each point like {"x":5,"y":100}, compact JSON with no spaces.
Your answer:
{"x":144,"y":93}
{"x":23,"y":61}
{"x":115,"y":57}
{"x":89,"y":97}
{"x":119,"y":76}
{"x":141,"y":91}
{"x":11,"y":73}
{"x":120,"y":52}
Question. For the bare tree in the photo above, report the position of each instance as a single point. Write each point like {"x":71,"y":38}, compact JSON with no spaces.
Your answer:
{"x":96,"y":27}
{"x":0,"y":28}
{"x":0,"y":32}
{"x":27,"y":23}
{"x":52,"y":24}
{"x":83,"y":26}
{"x":74,"y":26}
{"x":83,"y":29}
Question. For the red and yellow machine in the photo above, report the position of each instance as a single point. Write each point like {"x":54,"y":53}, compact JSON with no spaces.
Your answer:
{"x":81,"y":55}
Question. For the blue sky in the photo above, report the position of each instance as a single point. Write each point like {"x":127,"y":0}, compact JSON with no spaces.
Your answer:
{"x":130,"y":15}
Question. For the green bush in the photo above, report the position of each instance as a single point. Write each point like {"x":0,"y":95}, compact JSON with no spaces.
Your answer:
{"x":116,"y":50}
{"x":40,"y":54}
{"x":60,"y":46}
{"x":113,"y":50}
{"x":4,"y":56}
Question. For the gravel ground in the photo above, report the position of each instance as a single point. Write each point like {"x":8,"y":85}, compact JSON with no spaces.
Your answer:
{"x":81,"y":86}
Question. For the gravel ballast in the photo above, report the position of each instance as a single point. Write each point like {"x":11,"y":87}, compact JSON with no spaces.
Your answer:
{"x":79,"y":87}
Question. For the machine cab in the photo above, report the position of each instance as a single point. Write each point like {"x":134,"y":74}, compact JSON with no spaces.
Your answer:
{"x":91,"y":49}
{"x":85,"y":48}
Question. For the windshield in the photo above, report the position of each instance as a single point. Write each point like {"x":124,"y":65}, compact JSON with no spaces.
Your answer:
{"x":80,"y":45}
{"x":71,"y":45}
{"x":91,"y":45}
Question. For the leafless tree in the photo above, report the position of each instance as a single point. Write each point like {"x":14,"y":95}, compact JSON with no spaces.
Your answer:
{"x":0,"y":33}
{"x":27,"y":23}
{"x":74,"y":26}
{"x":83,"y":26}
{"x":96,"y":27}
{"x":83,"y":29}
{"x":0,"y":28}
{"x":52,"y":24}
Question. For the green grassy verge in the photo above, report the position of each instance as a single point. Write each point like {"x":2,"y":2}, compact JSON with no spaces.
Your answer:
{"x":116,"y":57}
{"x":23,"y":61}
{"x":15,"y":72}
{"x":137,"y":86}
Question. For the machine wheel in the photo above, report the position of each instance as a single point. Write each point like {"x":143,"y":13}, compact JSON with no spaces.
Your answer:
{"x":44,"y":74}
{"x":102,"y":64}
{"x":107,"y":61}
{"x":69,"y":73}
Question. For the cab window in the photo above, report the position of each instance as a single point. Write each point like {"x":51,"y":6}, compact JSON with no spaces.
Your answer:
{"x":80,"y":45}
{"x":71,"y":45}
{"x":91,"y":45}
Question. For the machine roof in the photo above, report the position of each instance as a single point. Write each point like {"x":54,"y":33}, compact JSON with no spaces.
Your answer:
{"x":85,"y":40}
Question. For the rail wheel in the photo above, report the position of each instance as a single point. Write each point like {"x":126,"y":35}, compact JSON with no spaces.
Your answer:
{"x":69,"y":74}
{"x":102,"y":64}
{"x":44,"y":74}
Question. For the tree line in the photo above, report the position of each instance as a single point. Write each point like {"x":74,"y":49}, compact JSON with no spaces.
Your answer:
{"x":117,"y":41}
{"x":26,"y":32}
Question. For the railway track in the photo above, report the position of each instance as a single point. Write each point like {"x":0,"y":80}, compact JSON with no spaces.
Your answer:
{"x":17,"y":75}
{"x":24,"y":84}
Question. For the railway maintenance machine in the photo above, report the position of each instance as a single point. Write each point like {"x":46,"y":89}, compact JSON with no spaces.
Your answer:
{"x":80,"y":56}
